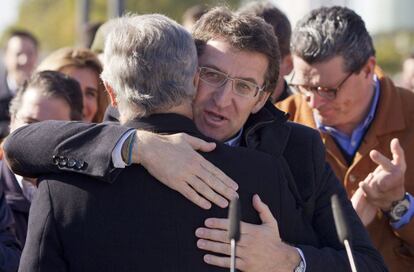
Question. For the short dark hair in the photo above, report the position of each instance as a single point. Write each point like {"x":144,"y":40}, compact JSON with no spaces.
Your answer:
{"x":22,"y":34}
{"x":276,"y":18}
{"x":328,"y":32}
{"x":244,"y":32}
{"x":52,"y":84}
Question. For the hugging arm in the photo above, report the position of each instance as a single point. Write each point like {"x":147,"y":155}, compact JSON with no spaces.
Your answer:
{"x":54,"y":146}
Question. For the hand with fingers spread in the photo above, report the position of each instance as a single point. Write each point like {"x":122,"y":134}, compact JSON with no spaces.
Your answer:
{"x":386,"y":184}
{"x":172,"y":160}
{"x":259,"y":249}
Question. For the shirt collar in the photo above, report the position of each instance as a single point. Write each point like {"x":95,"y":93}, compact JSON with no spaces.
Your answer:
{"x":235,"y":141}
{"x":12,"y":84}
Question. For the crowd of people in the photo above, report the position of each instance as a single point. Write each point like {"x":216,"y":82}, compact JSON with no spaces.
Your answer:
{"x":173,"y":122}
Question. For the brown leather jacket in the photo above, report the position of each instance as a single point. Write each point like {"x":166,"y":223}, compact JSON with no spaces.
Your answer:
{"x":394,"y":119}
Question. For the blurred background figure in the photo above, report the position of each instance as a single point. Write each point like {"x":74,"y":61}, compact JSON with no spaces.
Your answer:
{"x":90,"y":31}
{"x":83,"y":65}
{"x":47,"y":95}
{"x":98,"y":43}
{"x":192,"y":14}
{"x":20,"y":59}
{"x":407,"y":75}
{"x":283,"y":30}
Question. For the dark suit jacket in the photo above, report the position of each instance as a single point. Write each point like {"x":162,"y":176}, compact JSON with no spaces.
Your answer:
{"x":10,"y":249}
{"x":16,"y":200}
{"x":80,"y":224}
{"x":297,"y":150}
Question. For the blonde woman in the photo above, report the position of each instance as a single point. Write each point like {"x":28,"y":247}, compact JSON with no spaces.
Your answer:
{"x":84,"y":66}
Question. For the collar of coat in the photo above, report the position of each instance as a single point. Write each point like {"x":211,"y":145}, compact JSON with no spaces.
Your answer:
{"x":167,"y":123}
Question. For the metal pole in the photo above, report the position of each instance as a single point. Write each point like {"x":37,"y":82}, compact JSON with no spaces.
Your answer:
{"x":83,"y":7}
{"x":116,"y":8}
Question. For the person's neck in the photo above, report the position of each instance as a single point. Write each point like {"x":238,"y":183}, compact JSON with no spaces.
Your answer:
{"x":184,"y":109}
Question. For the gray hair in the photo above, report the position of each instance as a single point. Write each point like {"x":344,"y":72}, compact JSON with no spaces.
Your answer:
{"x":150,"y":62}
{"x":328,"y":32}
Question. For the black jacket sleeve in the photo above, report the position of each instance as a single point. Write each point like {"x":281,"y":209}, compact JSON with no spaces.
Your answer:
{"x":54,"y":146}
{"x":332,"y":254}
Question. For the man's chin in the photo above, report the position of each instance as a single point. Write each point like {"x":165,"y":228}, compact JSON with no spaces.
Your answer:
{"x":327,"y":122}
{"x":324,"y":119}
{"x":214,"y":134}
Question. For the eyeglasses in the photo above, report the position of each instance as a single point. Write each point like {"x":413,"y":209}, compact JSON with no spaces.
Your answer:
{"x":325,"y":92}
{"x":218,"y":79}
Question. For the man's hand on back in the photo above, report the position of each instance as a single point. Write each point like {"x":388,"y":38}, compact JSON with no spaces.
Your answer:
{"x":172,"y":159}
{"x":260,"y":247}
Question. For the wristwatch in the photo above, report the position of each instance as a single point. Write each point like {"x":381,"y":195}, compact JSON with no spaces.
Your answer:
{"x":399,"y":209}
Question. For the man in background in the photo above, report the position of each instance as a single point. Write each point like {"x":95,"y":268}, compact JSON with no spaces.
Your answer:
{"x":407,"y":74}
{"x":47,"y":95}
{"x":20,"y":58}
{"x":365,"y":122}
{"x":283,"y":31}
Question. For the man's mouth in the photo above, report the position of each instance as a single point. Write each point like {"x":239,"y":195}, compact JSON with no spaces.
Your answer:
{"x":213,"y":118}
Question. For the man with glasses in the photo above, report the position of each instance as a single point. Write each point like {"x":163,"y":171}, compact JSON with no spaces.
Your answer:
{"x":238,"y":60}
{"x":359,"y":112}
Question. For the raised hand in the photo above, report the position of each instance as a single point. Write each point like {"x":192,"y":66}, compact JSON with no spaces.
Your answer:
{"x":365,"y":210}
{"x":386,"y":184}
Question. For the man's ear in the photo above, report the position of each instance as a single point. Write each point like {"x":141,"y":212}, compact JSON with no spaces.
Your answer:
{"x":263,"y":96}
{"x":286,"y":65}
{"x":111,"y":94}
{"x":369,"y":68}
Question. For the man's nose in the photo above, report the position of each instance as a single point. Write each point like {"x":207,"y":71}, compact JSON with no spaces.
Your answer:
{"x":22,"y":59}
{"x":223,"y":95}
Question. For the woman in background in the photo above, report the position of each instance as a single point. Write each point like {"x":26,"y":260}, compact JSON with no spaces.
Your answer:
{"x":84,"y":66}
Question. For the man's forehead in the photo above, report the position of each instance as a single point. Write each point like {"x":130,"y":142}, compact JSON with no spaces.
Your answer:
{"x":319,"y":72}
{"x":219,"y":54}
{"x":21,"y":43}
